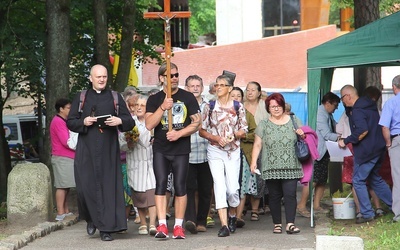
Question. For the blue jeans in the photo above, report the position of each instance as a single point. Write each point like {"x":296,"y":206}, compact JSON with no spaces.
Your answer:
{"x":369,"y":171}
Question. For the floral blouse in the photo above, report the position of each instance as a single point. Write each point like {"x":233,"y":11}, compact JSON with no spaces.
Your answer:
{"x":224,"y":122}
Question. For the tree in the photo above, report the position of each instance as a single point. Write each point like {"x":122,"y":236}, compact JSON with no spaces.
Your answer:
{"x":203,"y":19}
{"x":21,"y":63}
{"x":69,"y":46}
{"x":365,"y":12}
{"x":57,"y":60}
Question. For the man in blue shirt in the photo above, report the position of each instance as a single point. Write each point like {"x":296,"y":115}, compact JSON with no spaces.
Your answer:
{"x":390,"y":122}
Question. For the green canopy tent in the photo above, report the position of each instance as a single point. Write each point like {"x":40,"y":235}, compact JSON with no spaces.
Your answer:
{"x":376,"y":44}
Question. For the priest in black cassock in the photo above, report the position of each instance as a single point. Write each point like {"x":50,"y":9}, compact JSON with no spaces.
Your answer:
{"x":97,"y":163}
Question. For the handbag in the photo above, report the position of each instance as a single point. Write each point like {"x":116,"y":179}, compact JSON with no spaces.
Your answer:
{"x":301,"y":148}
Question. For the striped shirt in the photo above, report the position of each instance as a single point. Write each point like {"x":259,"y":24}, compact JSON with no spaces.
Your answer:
{"x":198,"y":144}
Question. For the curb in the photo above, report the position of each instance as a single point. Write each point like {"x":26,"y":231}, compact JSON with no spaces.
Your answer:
{"x":17,"y":241}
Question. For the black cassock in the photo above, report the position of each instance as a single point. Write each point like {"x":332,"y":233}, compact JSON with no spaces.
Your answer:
{"x":97,"y":165}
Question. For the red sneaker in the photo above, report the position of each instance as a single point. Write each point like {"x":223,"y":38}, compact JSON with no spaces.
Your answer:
{"x":162,"y":232}
{"x":179,"y":232}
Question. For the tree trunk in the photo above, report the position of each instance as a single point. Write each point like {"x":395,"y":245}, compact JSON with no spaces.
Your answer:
{"x":57,"y":62}
{"x":5,"y":161}
{"x":101,"y":51}
{"x":125,"y":55}
{"x":365,"y":12}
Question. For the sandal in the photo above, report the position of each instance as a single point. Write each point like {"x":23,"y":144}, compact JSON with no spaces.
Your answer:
{"x":240,"y":223}
{"x":254,"y":216}
{"x":292,"y":229}
{"x":143,"y":230}
{"x":304,"y":212}
{"x":277,"y":229}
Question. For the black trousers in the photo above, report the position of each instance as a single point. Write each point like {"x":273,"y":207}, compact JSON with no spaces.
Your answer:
{"x":199,"y":179}
{"x":286,"y":189}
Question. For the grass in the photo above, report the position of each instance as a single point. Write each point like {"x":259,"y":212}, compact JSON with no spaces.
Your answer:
{"x":379,"y":234}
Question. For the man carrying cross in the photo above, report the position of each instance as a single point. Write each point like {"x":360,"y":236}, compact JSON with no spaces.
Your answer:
{"x":171,"y":148}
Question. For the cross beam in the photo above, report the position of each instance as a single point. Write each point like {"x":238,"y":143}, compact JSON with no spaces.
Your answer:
{"x":167,"y":15}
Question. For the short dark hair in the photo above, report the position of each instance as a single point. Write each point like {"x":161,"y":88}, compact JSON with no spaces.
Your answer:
{"x":193,"y":77}
{"x":61,"y":103}
{"x":278,"y":97}
{"x":240,"y":90}
{"x":373,"y":92}
{"x":224,"y":78}
{"x":331,"y":98}
{"x":163,"y":68}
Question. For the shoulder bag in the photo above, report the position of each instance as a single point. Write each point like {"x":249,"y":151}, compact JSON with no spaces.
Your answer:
{"x":301,"y":147}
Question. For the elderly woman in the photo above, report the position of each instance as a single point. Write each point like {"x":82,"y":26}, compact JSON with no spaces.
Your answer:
{"x":280,"y":167}
{"x":223,"y":124}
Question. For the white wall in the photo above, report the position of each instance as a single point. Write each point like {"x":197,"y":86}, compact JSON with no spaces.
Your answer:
{"x":343,"y":76}
{"x":238,"y":21}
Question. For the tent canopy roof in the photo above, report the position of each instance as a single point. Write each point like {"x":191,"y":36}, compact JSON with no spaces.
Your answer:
{"x":375,"y":44}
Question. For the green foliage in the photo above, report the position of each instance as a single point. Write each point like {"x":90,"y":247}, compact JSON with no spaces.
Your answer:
{"x":346,"y":191}
{"x":203,"y":19}
{"x":386,"y":7}
{"x":22,"y":60}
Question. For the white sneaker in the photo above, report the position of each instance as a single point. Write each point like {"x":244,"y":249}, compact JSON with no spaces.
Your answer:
{"x":60,"y":217}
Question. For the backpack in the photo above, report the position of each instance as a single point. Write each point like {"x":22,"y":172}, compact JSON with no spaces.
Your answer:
{"x":83,"y":97}
{"x":235,"y":105}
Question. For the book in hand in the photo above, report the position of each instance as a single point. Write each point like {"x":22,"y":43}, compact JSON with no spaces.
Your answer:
{"x":101,"y":120}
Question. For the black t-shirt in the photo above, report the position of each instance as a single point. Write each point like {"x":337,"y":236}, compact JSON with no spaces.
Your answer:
{"x":185,"y":105}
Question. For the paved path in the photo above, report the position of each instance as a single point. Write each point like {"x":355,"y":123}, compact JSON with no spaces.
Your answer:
{"x":255,"y":235}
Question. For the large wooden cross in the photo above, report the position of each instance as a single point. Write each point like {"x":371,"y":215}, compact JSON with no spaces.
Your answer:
{"x":167,"y":15}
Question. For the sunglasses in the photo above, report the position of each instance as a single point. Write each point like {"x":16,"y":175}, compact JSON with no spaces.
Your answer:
{"x":172,"y":75}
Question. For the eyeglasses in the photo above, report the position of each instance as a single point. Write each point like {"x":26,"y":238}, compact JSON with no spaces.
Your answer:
{"x":341,"y":98}
{"x":221,"y":85}
{"x":172,"y":75}
{"x":275,"y":107}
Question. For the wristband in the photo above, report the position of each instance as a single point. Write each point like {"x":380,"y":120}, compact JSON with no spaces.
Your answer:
{"x":162,"y":108}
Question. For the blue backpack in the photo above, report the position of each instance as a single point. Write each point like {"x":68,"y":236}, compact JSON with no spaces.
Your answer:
{"x":235,"y":105}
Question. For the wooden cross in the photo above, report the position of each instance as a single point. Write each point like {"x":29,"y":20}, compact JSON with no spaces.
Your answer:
{"x":167,"y":15}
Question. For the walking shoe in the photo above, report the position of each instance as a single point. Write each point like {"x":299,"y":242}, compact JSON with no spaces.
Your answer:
{"x":210,"y":222}
{"x":60,"y":217}
{"x":223,"y":232}
{"x":179,"y":232}
{"x":191,"y":227}
{"x":379,"y":212}
{"x":162,"y":232}
{"x":360,"y":220}
{"x":201,"y":228}
{"x":152,"y":230}
{"x":232,"y":224}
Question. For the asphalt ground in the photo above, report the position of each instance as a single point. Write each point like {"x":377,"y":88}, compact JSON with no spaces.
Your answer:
{"x":254,"y":235}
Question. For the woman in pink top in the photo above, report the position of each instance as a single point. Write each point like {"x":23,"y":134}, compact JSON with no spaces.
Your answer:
{"x":62,"y":159}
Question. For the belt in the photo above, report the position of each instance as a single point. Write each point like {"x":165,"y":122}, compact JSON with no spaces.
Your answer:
{"x":393,"y":136}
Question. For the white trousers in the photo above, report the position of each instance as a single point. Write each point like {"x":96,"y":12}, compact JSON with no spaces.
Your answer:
{"x":225,"y":172}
